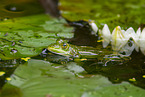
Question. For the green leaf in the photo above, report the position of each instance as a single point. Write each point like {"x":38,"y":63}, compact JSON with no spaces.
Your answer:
{"x":58,"y":25}
{"x":27,"y":36}
{"x":117,"y":90}
{"x":39,"y":78}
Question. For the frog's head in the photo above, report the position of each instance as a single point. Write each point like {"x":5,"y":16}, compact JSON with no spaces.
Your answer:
{"x":61,"y":47}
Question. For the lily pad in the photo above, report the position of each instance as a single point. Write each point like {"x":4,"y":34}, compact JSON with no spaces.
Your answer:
{"x":118,"y":90}
{"x":27,"y":36}
{"x":39,"y":78}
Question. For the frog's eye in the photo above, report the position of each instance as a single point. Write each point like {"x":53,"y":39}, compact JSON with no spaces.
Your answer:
{"x":65,"y":46}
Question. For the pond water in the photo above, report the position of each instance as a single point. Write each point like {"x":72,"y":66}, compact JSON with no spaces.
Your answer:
{"x":50,"y":74}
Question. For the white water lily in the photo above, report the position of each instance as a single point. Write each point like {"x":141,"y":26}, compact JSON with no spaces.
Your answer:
{"x":142,"y":41}
{"x":118,"y":39}
{"x":106,"y":35}
{"x":127,"y":49}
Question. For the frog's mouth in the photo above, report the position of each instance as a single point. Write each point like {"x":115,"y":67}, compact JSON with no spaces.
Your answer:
{"x":59,"y":51}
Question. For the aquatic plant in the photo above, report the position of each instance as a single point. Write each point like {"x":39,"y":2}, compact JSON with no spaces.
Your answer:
{"x":121,"y":40}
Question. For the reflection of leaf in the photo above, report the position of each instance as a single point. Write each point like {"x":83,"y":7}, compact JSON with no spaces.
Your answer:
{"x":23,"y":37}
{"x":39,"y":78}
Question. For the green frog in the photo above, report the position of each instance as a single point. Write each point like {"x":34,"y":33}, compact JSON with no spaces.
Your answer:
{"x":63,"y":51}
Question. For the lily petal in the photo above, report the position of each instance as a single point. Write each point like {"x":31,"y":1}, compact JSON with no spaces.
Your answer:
{"x":106,"y":35}
{"x":142,"y":41}
{"x":128,"y":49}
{"x":138,"y":33}
{"x":131,"y":33}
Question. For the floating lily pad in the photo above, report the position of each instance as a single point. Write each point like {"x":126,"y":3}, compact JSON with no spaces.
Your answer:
{"x":27,"y":36}
{"x":39,"y":78}
{"x":118,"y":90}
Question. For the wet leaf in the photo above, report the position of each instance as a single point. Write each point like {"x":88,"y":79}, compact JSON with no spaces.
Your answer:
{"x":39,"y":78}
{"x":26,"y":37}
{"x":118,"y":90}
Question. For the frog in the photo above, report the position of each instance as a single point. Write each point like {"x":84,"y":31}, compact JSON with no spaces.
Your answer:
{"x":62,"y":50}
